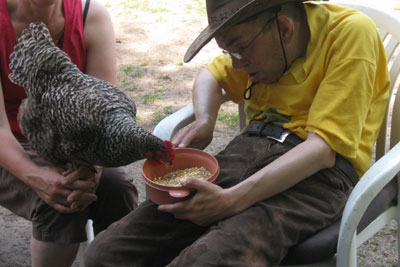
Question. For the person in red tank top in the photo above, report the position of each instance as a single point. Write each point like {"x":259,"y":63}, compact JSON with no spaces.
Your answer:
{"x":50,"y":202}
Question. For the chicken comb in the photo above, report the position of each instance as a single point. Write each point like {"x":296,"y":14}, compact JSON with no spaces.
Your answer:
{"x":170,"y":150}
{"x":162,"y":157}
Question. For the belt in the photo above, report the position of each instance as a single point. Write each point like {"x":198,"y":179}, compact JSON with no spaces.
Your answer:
{"x":279,"y":134}
{"x":273,"y":132}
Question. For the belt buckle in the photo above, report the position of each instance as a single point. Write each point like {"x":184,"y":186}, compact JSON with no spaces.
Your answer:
{"x":280,"y":139}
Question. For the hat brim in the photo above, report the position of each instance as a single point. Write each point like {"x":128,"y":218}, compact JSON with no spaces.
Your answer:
{"x":245,"y":12}
{"x":204,"y":38}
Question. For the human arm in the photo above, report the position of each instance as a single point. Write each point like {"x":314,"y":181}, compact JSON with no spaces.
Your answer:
{"x":207,"y":99}
{"x":100,"y":44}
{"x":212,"y":203}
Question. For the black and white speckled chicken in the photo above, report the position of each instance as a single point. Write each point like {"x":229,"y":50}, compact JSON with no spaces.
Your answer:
{"x":71,"y":117}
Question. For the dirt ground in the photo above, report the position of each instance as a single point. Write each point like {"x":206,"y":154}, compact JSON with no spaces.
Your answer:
{"x":152,"y":37}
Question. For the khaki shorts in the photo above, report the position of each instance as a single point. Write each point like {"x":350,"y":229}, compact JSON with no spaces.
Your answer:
{"x":116,"y":198}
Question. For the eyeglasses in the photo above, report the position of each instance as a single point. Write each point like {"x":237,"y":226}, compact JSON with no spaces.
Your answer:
{"x":244,"y":50}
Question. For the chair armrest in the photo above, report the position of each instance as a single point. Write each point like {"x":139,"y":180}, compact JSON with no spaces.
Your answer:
{"x":372,"y":182}
{"x":171,"y":124}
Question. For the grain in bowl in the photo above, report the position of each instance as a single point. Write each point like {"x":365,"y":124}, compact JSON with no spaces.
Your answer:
{"x":173,"y":178}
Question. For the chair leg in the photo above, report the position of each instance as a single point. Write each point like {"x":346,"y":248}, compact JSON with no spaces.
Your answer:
{"x":89,"y":231}
{"x":398,"y":235}
{"x":398,"y":244}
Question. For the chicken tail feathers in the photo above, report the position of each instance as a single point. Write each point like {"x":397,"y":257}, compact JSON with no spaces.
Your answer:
{"x":34,"y":54}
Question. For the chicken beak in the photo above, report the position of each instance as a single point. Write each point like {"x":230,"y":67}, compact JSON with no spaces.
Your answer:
{"x":165,"y":164}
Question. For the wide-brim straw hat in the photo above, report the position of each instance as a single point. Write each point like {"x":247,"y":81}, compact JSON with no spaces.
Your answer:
{"x":228,"y":12}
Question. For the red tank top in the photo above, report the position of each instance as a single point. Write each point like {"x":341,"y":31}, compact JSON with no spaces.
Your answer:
{"x":72,"y":43}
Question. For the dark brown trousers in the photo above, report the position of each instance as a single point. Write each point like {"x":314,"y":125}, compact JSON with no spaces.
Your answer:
{"x":258,"y":236}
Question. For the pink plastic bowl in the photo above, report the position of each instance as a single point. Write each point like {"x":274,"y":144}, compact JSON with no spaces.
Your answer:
{"x":184,"y":158}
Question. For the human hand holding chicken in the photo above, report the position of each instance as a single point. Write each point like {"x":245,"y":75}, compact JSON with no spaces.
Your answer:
{"x":66,"y":191}
{"x":84,"y":182}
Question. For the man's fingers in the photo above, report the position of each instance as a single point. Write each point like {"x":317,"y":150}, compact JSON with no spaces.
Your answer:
{"x":194,"y":183}
{"x":178,"y":140}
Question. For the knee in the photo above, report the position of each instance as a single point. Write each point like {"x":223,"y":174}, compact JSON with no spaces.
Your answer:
{"x":92,"y":256}
{"x":114,"y":183}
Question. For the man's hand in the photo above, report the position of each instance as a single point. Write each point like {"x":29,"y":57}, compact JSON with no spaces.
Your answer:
{"x":209,"y":204}
{"x":198,"y":135}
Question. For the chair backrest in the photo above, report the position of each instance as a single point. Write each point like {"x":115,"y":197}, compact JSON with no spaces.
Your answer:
{"x":388,"y":27}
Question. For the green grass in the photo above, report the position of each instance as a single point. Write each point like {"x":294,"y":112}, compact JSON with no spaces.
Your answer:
{"x":230,"y":119}
{"x":144,"y":5}
{"x":127,"y":75}
{"x":150,"y":98}
{"x":158,"y":9}
{"x":133,"y":72}
{"x":126,"y":83}
{"x":160,"y":90}
{"x":161,"y":114}
{"x":199,"y":7}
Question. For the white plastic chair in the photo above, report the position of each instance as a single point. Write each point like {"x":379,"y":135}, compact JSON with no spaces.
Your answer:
{"x":384,"y":170}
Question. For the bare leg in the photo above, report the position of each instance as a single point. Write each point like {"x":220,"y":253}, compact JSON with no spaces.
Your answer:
{"x":46,"y":254}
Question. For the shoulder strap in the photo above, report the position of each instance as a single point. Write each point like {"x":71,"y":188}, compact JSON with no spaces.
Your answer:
{"x":85,"y":11}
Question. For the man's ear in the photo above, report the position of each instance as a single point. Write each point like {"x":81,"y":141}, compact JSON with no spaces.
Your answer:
{"x":287,"y":28}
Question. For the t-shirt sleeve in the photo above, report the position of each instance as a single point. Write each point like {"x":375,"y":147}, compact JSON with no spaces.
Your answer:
{"x":347,"y":95}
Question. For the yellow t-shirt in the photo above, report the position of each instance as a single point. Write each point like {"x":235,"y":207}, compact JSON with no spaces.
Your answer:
{"x":339,"y":90}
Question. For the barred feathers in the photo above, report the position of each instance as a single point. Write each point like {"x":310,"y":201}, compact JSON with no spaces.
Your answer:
{"x":71,"y":117}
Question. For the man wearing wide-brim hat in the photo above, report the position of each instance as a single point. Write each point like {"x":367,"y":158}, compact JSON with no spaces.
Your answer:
{"x":315,"y":84}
